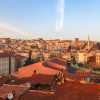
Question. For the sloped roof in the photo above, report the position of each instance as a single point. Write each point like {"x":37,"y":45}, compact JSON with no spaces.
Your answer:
{"x":58,"y":61}
{"x":36,"y":79}
{"x":54,"y":65}
{"x":28,"y":71}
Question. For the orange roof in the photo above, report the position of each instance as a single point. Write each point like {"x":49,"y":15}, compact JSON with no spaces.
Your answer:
{"x":68,"y":91}
{"x":54,"y":65}
{"x":39,"y":67}
{"x":36,"y":79}
{"x":59,"y":61}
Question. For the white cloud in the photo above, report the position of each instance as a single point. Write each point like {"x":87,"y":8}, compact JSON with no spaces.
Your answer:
{"x":60,"y":16}
{"x":8,"y":30}
{"x":5,"y":27}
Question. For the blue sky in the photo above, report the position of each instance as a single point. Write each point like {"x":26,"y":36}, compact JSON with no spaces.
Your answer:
{"x":37,"y":18}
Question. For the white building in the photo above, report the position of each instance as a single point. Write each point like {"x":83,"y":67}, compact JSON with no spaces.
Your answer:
{"x":7,"y":63}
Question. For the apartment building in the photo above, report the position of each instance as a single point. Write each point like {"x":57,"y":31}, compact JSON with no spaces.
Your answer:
{"x":7,"y":63}
{"x":82,"y":56}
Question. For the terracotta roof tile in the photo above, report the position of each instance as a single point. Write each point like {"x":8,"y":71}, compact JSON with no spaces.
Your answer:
{"x":5,"y":89}
{"x":28,"y":71}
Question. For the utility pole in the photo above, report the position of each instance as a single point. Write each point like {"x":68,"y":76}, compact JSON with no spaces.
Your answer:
{"x":9,"y":64}
{"x":9,"y":56}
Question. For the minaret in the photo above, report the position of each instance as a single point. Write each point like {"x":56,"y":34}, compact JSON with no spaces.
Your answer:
{"x":88,"y":42}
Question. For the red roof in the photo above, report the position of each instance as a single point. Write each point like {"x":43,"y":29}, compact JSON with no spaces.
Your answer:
{"x":5,"y":89}
{"x":43,"y":79}
{"x":37,"y":96}
{"x":28,"y":71}
{"x":54,"y":65}
{"x":58,"y":61}
{"x":67,"y":91}
{"x":82,"y":74}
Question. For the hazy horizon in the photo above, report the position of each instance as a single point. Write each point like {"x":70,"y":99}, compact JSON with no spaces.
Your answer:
{"x":37,"y":18}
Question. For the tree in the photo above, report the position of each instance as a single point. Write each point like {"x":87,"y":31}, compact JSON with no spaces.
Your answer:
{"x":73,"y":59}
{"x":29,"y":59}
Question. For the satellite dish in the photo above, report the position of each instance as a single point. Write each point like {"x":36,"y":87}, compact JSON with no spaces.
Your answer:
{"x":28,"y":84}
{"x":10,"y":96}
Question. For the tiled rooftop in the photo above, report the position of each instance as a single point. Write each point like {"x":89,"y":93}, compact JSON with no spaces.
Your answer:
{"x":28,"y":71}
{"x":6,"y":89}
{"x":68,"y":91}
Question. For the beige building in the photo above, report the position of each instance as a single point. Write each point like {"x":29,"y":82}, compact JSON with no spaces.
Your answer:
{"x":97,"y":58}
{"x":82,"y":56}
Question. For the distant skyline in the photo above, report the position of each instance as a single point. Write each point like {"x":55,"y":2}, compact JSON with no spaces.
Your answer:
{"x":37,"y":18}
